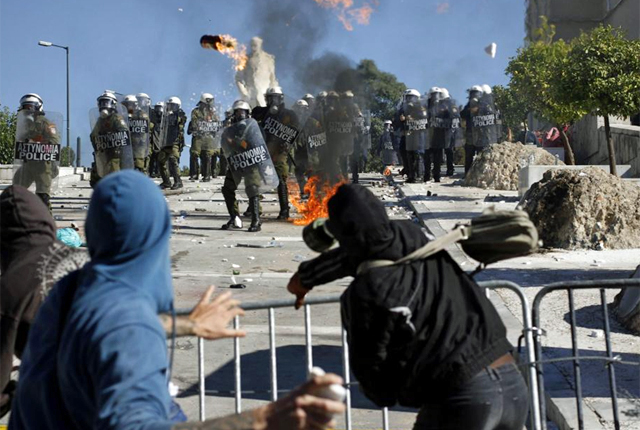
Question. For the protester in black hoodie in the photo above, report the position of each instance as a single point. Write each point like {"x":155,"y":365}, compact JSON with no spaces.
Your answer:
{"x":423,"y":334}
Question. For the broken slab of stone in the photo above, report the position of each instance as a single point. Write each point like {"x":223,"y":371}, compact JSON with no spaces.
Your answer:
{"x":585,"y":209}
{"x":498,"y":166}
{"x":533,"y":173}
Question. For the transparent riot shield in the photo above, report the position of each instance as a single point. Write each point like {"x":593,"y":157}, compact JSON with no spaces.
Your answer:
{"x":248,"y":157}
{"x":155,"y":117}
{"x":206,"y":127}
{"x":440,"y":123}
{"x":281,"y":129}
{"x":139,"y":124}
{"x":169,"y":129}
{"x":387,"y":150}
{"x":455,"y":140}
{"x":111,"y":140}
{"x":316,"y":141}
{"x":483,"y":119}
{"x":415,"y":126}
{"x":37,"y":150}
{"x":366,"y":130}
{"x":340,"y":129}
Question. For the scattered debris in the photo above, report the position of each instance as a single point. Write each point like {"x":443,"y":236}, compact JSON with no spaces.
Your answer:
{"x":598,"y":334}
{"x":299,"y":258}
{"x":235,"y":266}
{"x":271,"y":244}
{"x":200,"y":210}
{"x":251,"y":257}
{"x":238,"y":286}
{"x":225,"y":260}
{"x":247,"y":280}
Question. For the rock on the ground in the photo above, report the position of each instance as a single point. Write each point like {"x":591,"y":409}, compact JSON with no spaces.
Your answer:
{"x":585,"y":209}
{"x":498,"y":166}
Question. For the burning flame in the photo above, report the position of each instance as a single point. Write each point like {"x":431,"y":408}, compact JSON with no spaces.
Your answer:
{"x":387,"y":171}
{"x":317,"y":204}
{"x":229,"y":46}
{"x":348,"y":13}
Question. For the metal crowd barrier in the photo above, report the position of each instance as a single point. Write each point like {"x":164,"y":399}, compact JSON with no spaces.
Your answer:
{"x":270,"y":306}
{"x":610,"y":359}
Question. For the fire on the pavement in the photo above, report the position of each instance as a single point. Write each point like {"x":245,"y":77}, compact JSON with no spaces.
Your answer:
{"x":227,"y":45}
{"x":316,"y":206}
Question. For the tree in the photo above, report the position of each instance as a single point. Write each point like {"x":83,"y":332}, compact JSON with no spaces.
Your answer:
{"x":514,"y":109}
{"x":8,"y":121}
{"x":67,"y":156}
{"x":538,"y":76}
{"x":603,"y":76}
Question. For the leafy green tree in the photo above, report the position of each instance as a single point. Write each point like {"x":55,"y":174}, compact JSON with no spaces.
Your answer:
{"x":67,"y":156}
{"x":514,"y":109}
{"x":8,"y":121}
{"x":603,"y":75}
{"x":538,"y":76}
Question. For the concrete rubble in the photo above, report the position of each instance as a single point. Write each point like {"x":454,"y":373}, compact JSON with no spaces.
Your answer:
{"x":497,"y":167}
{"x":585,"y":209}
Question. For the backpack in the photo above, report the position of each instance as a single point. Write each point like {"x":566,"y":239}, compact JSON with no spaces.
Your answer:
{"x":490,"y":237}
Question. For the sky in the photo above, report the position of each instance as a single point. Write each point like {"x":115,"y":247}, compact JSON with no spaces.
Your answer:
{"x":152,"y":46}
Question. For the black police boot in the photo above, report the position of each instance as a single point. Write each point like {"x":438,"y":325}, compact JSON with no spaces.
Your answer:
{"x":175,"y":172}
{"x":234,"y":219}
{"x":206,"y":171}
{"x":283,"y":197}
{"x":214,"y":165}
{"x":255,"y":214}
{"x":249,"y":210}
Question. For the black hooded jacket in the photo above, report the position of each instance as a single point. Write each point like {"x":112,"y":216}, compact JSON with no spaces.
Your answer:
{"x":414,"y":331}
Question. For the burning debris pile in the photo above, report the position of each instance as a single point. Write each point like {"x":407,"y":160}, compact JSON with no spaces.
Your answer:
{"x":498,"y":166}
{"x":316,"y":206}
{"x":227,"y":45}
{"x":587,"y":208}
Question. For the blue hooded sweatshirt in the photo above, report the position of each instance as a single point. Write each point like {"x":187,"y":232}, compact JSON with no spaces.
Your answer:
{"x":107,"y":369}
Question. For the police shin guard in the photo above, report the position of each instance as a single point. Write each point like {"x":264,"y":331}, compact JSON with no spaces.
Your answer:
{"x":254,"y":203}
{"x":46,"y":199}
{"x":230,"y":201}
{"x":283,"y":197}
{"x":206,"y":171}
{"x":175,"y":172}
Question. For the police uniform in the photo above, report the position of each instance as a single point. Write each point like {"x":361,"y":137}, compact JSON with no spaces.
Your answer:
{"x":139,"y":126}
{"x":204,"y":126}
{"x":169,"y":155}
{"x":40,"y":172}
{"x":109,"y":158}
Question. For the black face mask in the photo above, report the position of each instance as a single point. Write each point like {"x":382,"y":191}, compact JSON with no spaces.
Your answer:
{"x":240,"y":115}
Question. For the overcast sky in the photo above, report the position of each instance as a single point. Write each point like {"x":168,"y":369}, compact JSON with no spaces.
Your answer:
{"x":152,"y":46}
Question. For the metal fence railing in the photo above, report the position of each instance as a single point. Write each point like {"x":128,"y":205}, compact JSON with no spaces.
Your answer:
{"x":576,"y":358}
{"x":527,"y":360}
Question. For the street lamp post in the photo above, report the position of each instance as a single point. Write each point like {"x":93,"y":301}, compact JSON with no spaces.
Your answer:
{"x":66,"y":48}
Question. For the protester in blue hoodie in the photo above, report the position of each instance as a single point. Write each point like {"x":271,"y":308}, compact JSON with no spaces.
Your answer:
{"x":96,"y":355}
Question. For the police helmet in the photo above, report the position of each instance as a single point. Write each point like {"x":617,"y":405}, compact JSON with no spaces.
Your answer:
{"x":445,"y":93}
{"x":31,"y":101}
{"x":332,"y":95}
{"x":475,"y":88}
{"x":129,"y":99}
{"x":486,"y":89}
{"x":207,"y":98}
{"x":387,"y":122}
{"x":174,"y":100}
{"x":434,"y":90}
{"x":411,"y":92}
{"x":348,"y":94}
{"x":241,"y":104}
{"x":308,"y":97}
{"x":143,"y":99}
{"x":107,"y":100}
{"x":274,"y":91}
{"x":322,"y":94}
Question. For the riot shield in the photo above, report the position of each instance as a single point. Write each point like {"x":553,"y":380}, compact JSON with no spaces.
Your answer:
{"x":440,"y":123}
{"x":483,"y":119}
{"x":139,"y":131}
{"x":169,"y":129}
{"x":363,"y":125}
{"x":248,"y":157}
{"x":156,"y":129}
{"x":415,"y":126}
{"x":339,"y":126}
{"x":111,"y":140}
{"x":316,"y":141}
{"x":37,"y":150}
{"x":387,"y":150}
{"x":281,"y":129}
{"x":206,"y":127}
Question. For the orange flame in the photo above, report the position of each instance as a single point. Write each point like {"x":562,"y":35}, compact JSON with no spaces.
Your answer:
{"x":317,"y":205}
{"x":227,"y":45}
{"x":387,"y":171}
{"x":348,"y":13}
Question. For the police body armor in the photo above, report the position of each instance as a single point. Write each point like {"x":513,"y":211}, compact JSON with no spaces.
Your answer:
{"x":139,"y":124}
{"x":111,"y":140}
{"x":248,"y":157}
{"x":415,"y":127}
{"x":484,"y":122}
{"x":37,"y":150}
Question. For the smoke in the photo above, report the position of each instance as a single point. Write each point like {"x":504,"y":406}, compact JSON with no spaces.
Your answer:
{"x":291,"y":31}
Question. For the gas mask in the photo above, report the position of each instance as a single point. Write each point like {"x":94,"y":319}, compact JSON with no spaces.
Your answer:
{"x":239,"y":115}
{"x":317,"y":236}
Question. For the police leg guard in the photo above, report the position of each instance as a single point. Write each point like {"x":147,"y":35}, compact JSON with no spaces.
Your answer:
{"x":283,"y":197}
{"x":46,"y":199}
{"x":194,"y":169}
{"x":206,"y":170}
{"x":232,"y":207}
{"x":254,"y":202}
{"x":175,"y":172}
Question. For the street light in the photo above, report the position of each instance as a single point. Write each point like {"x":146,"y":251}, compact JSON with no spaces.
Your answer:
{"x":66,"y":48}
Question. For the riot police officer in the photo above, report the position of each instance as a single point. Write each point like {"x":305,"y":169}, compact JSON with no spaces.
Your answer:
{"x":467,"y":114}
{"x":37,"y":151}
{"x":110,"y":137}
{"x":204,"y":127}
{"x":281,"y":128}
{"x":173,"y":122}
{"x":155,"y":138}
{"x":139,"y":131}
{"x":412,"y":119}
{"x":248,"y":159}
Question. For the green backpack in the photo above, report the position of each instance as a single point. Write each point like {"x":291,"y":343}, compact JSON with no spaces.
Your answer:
{"x":493,"y":236}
